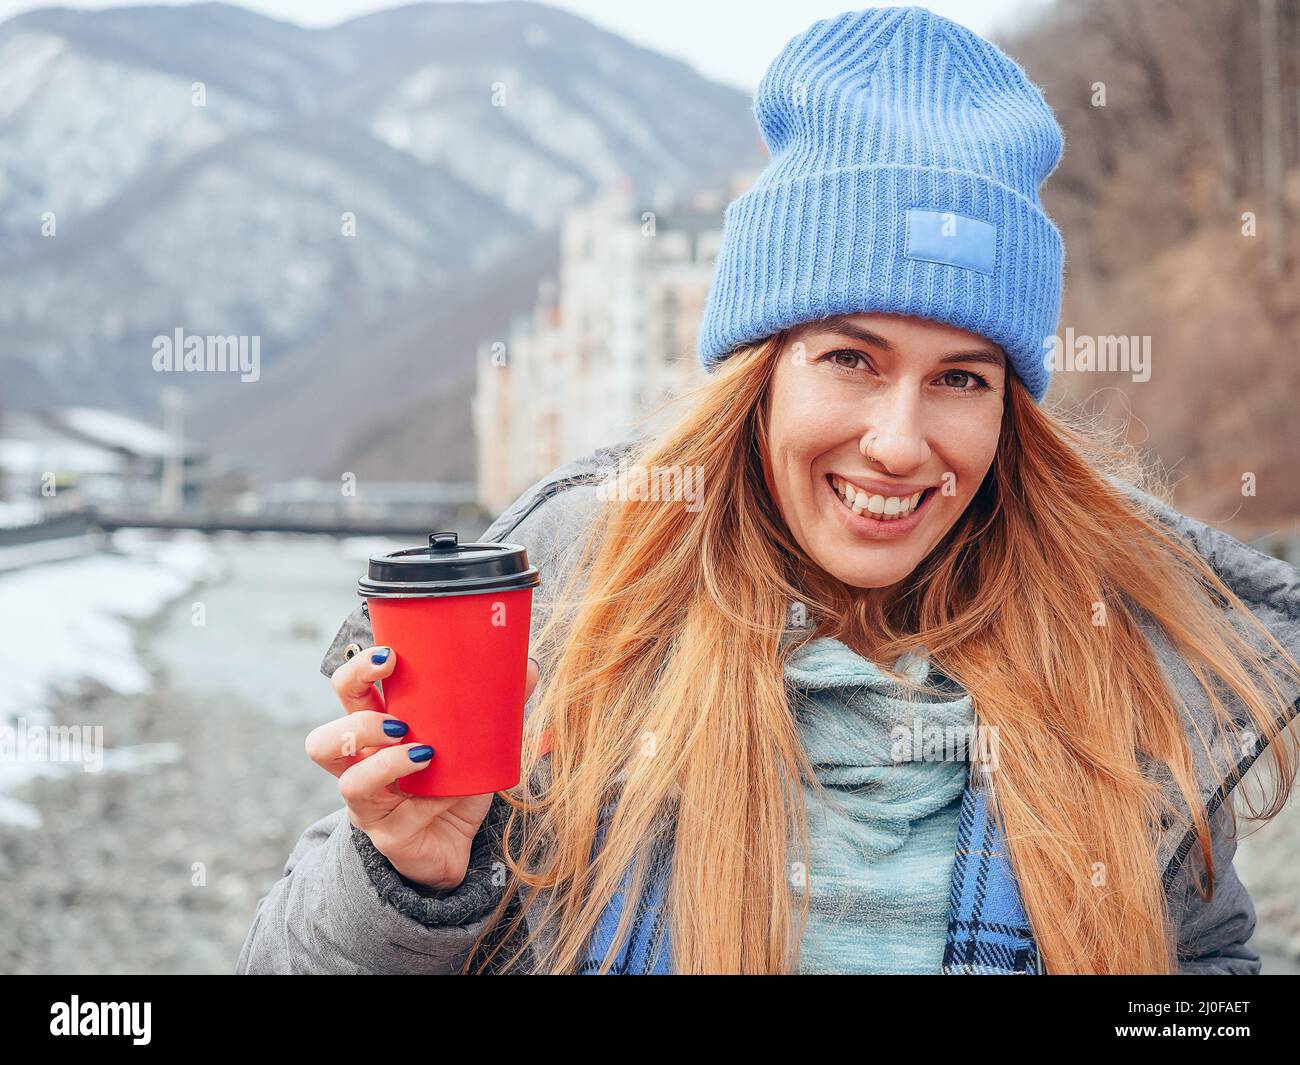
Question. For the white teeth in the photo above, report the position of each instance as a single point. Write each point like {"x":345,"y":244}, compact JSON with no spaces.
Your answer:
{"x":882,"y":508}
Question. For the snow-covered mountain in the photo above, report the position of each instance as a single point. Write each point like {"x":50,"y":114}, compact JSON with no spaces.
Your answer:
{"x":216,"y":171}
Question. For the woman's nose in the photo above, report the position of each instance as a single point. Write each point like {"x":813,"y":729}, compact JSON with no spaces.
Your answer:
{"x":895,"y":439}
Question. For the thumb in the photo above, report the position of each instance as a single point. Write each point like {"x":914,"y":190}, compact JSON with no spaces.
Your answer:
{"x":534,"y":671}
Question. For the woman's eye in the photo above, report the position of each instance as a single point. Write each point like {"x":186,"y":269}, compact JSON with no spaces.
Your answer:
{"x":965,"y":381}
{"x":845,"y":360}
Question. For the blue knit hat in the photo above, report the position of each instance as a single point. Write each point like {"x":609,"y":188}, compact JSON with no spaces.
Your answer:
{"x":906,"y":156}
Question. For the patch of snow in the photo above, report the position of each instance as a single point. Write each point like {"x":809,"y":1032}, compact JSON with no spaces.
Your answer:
{"x":25,"y":61}
{"x":80,"y":127}
{"x":20,"y":814}
{"x":56,"y":456}
{"x":116,"y":430}
{"x":140,"y":756}
{"x":66,"y":622}
{"x":19,"y":513}
{"x":420,"y":87}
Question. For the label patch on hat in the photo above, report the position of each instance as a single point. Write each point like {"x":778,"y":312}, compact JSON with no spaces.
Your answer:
{"x":951,"y":238}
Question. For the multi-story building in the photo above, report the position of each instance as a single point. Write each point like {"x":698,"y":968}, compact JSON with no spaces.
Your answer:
{"x":607,"y":343}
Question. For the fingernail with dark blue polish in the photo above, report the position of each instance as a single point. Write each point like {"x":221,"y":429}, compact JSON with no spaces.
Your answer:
{"x":422,"y":753}
{"x":396,"y":728}
{"x":380,"y":656}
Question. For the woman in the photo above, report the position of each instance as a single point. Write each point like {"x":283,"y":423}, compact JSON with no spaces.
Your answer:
{"x":894,"y":542}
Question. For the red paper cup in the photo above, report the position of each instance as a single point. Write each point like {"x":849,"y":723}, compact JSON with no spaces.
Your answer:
{"x":458,"y":616}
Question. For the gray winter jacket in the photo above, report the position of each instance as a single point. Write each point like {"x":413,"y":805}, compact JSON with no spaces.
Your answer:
{"x":341,"y":907}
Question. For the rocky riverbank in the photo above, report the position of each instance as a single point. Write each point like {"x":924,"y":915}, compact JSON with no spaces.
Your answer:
{"x":155,"y":864}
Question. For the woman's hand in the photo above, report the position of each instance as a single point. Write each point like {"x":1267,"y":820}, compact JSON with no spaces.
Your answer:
{"x":426,"y":839}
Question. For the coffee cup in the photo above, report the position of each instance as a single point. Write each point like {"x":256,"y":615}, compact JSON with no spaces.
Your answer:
{"x":458,"y":617}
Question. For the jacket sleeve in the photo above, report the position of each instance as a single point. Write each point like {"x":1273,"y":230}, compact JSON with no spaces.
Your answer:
{"x":1269,"y":587}
{"x":1214,"y":935}
{"x":340,"y":906}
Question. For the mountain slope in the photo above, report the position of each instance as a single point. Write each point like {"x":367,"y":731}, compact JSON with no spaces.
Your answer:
{"x":448,"y":135}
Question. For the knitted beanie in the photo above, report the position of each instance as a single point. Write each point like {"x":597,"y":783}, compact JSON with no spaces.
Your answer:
{"x":906,"y":156}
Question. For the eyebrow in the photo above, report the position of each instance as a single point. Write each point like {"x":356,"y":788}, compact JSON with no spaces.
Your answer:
{"x":844,"y":327}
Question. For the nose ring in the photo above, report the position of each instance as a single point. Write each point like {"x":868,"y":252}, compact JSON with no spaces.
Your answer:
{"x":870,"y":442}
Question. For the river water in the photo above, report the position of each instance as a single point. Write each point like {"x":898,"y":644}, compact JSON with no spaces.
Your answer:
{"x":271,"y":619}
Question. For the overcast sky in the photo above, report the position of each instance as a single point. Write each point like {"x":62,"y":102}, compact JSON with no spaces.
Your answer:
{"x":728,"y":40}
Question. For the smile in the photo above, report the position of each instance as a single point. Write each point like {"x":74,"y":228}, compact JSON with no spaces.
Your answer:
{"x":878,"y":508}
{"x":878,"y":516}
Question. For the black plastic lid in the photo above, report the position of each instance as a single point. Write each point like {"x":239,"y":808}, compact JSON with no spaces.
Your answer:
{"x":447,"y":567}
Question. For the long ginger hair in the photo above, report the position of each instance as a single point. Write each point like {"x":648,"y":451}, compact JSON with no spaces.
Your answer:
{"x":663,"y":687}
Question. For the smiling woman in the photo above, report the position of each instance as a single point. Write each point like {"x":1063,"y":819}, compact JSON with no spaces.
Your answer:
{"x":902,"y":425}
{"x":893,"y":536}
{"x":1090,"y":668}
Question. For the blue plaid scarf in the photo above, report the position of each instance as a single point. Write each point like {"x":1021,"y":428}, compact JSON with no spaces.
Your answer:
{"x":645,"y":950}
{"x":988,"y":932}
